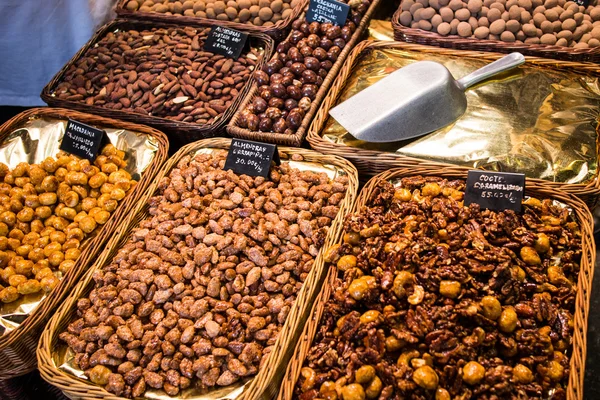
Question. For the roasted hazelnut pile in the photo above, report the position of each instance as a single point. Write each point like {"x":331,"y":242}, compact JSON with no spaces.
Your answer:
{"x":199,"y":293}
{"x":289,"y":82}
{"x":438,"y":300}
{"x":47,"y":210}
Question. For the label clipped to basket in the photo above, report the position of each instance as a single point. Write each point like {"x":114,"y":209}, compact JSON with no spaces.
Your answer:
{"x":584,"y":3}
{"x":327,"y":11}
{"x":251,"y":158}
{"x":82,"y":140}
{"x":226,"y":42}
{"x":495,"y":190}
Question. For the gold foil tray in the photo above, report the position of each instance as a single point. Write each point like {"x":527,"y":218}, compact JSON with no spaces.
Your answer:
{"x":537,"y":120}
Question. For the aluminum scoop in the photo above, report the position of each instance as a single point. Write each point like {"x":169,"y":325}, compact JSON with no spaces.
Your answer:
{"x":413,"y":101}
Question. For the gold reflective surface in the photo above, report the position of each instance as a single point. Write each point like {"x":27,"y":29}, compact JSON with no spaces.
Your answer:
{"x":540,"y":121}
{"x":39,"y":138}
{"x":64,"y":357}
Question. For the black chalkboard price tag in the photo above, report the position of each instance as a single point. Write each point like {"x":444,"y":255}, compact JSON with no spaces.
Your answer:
{"x":251,"y":158}
{"x":82,"y":140}
{"x":327,"y":11}
{"x":495,"y":191}
{"x":584,"y":3}
{"x":226,"y":42}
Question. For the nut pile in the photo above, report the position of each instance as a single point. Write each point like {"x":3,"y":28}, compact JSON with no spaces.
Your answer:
{"x":199,"y":293}
{"x":255,"y":12}
{"x":47,"y":210}
{"x":161,"y":72}
{"x":550,"y":22}
{"x":289,"y":82}
{"x":435,"y":299}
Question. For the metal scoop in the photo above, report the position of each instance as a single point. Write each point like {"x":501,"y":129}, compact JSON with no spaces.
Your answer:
{"x":413,"y":101}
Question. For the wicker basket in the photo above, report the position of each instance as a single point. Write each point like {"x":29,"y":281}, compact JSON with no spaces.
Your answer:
{"x":371,"y":162}
{"x":179,"y":132}
{"x":542,"y":190}
{"x":17,"y":347}
{"x":419,"y":36}
{"x":296,"y":139}
{"x":276,"y":31}
{"x":266,"y":384}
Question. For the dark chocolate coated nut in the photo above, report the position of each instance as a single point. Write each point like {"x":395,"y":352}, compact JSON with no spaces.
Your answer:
{"x":253,"y":122}
{"x":277,"y":102}
{"x":260,"y":104}
{"x":327,"y":65}
{"x":320,"y":54}
{"x":310,"y":91}
{"x":347,"y":33}
{"x":279,"y":126}
{"x":306,"y":51}
{"x":309,"y":76}
{"x":290,"y":104}
{"x":314,"y":28}
{"x":313,"y":41}
{"x":333,"y":53}
{"x":284,"y":47}
{"x":298,"y":68}
{"x":265,"y":124}
{"x":294,"y":118}
{"x":334,"y":32}
{"x":294,"y":92}
{"x":273,"y":113}
{"x":276,"y":78}
{"x":262,"y":78}
{"x":339,"y":42}
{"x":278,"y":90}
{"x":266,"y":94}
{"x":312,"y":63}
{"x":326,"y":43}
{"x":322,"y":73}
{"x":305,"y":28}
{"x":295,"y":37}
{"x":287,"y":80}
{"x":295,"y":55}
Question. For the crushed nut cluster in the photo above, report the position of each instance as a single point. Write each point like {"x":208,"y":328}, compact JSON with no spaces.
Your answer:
{"x":435,"y":299}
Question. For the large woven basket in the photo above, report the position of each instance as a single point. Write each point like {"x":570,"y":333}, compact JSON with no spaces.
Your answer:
{"x":179,"y":132}
{"x":533,"y":188}
{"x":296,"y":139}
{"x":276,"y":31}
{"x":419,"y":36}
{"x":371,"y":162}
{"x":266,"y":384}
{"x":17,"y":347}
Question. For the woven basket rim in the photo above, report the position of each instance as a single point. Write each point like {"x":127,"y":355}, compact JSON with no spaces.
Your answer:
{"x":538,"y":189}
{"x":390,"y":160}
{"x":188,"y":130}
{"x":13,"y":341}
{"x":77,"y":388}
{"x":275,"y":30}
{"x":297,"y":137}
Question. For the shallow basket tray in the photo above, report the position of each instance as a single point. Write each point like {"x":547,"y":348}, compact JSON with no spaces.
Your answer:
{"x":420,"y":36}
{"x":296,"y":139}
{"x":276,"y":31}
{"x":371,"y":162}
{"x":179,"y":132}
{"x":266,"y":383}
{"x":17,"y":347}
{"x":532,"y":188}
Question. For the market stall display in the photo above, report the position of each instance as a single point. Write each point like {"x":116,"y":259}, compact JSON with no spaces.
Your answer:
{"x":541,"y":120}
{"x":211,"y":278}
{"x":57,"y":212}
{"x":271,"y":17}
{"x":160,"y":75}
{"x":564,"y":30}
{"x":428,"y":297}
{"x":290,"y":87}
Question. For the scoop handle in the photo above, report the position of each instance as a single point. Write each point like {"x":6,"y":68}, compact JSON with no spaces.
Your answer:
{"x":504,"y":64}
